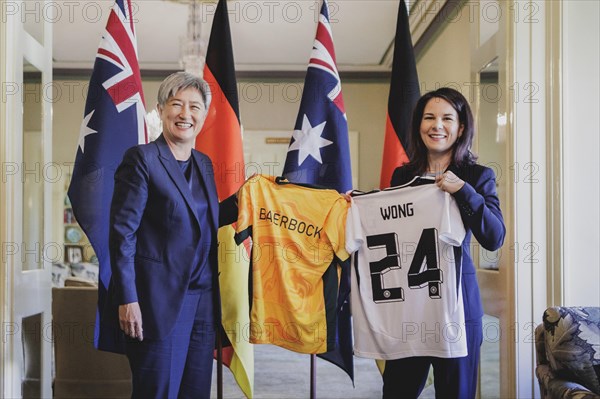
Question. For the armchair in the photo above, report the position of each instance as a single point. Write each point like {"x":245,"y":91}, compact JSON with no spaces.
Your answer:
{"x":567,"y":346}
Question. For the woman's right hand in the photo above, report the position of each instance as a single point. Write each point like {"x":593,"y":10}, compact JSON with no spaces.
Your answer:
{"x":130,"y":320}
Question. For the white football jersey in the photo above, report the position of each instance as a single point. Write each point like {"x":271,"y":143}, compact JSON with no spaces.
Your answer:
{"x":406,"y":297}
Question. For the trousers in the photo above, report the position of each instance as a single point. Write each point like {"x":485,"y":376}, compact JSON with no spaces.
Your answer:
{"x":454,"y":378}
{"x":180,"y":365}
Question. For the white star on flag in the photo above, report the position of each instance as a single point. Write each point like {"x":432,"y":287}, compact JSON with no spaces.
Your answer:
{"x":308,"y":141}
{"x":85,"y":130}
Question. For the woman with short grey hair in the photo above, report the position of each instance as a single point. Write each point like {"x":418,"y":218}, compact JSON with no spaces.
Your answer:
{"x":163,"y":242}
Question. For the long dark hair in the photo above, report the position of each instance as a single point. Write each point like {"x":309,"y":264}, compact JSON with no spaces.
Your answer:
{"x":461,"y":155}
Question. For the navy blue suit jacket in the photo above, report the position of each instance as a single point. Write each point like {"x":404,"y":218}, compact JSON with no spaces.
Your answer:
{"x":155,"y":233}
{"x":480,"y":212}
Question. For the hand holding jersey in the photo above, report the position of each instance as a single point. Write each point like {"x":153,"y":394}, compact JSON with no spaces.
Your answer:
{"x":449,"y":182}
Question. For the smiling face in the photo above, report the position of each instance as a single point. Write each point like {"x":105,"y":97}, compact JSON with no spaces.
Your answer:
{"x":182,"y":116}
{"x":440,"y":128}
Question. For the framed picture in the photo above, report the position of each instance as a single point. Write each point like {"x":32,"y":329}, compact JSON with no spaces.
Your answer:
{"x":73,"y":253}
{"x":73,"y":235}
{"x":69,"y":218}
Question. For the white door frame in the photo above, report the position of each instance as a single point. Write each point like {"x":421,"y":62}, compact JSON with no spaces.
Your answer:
{"x":525,"y":42}
{"x":23,"y":293}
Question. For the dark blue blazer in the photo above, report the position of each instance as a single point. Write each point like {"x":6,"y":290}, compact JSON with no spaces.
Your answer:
{"x":155,"y":234}
{"x":480,"y":212}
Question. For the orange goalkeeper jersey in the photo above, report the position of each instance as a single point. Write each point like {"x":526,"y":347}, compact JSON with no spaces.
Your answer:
{"x":297,"y":232}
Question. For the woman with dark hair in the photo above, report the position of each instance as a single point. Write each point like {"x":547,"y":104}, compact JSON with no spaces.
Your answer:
{"x":440,"y":145}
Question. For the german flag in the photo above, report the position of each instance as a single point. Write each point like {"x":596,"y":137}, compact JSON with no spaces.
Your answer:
{"x":221,"y":139}
{"x":404,"y":93}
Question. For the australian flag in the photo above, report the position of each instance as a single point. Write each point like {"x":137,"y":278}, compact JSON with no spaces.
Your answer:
{"x":113,"y":122}
{"x":319,"y":154}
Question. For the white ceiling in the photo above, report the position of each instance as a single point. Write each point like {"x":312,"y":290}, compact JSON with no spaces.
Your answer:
{"x":267,"y":35}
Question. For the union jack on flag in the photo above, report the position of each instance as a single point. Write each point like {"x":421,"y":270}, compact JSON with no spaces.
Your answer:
{"x":113,"y":122}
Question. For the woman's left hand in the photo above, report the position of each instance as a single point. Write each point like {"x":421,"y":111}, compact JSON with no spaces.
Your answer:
{"x":449,"y":182}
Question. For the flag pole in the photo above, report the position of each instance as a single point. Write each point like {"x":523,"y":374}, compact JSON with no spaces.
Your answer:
{"x":330,"y":167}
{"x":219,"y":365}
{"x":221,"y":140}
{"x":313,"y":376}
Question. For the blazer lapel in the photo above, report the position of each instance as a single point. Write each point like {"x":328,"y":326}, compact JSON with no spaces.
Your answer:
{"x":170,"y":164}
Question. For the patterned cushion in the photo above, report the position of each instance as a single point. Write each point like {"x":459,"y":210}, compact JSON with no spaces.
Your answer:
{"x":572,"y":342}
{"x":85,"y":270}
{"x":60,"y":272}
{"x":552,"y":387}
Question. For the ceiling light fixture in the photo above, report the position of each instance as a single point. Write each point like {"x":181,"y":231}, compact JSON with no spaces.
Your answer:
{"x":192,"y":45}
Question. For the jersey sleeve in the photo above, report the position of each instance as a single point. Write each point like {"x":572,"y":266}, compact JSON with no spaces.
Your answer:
{"x":245,"y":212}
{"x":354,"y":233}
{"x":452,"y":228}
{"x":335,"y":227}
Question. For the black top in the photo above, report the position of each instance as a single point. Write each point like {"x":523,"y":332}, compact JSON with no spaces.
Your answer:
{"x":201,"y":276}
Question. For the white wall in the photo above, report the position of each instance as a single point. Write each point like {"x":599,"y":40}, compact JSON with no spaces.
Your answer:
{"x":581,"y":138}
{"x":447,"y":61}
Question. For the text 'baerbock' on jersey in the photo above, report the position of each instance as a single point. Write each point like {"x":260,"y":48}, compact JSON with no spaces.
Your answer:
{"x":297,"y":233}
{"x":406,"y":297}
